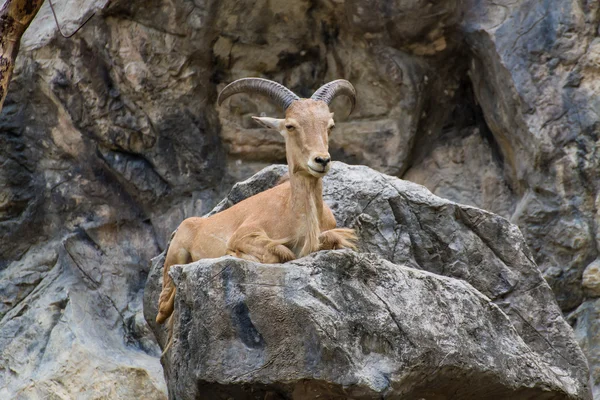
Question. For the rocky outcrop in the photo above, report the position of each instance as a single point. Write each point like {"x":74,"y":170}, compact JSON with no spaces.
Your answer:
{"x":488,"y":103}
{"x":345,"y":325}
{"x":370,"y":324}
{"x":71,"y":318}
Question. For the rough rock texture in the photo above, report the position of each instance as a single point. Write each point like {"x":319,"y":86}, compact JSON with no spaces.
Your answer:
{"x":586,"y":320}
{"x":72,"y":320}
{"x":345,"y":325}
{"x":492,"y":103}
{"x":348,"y":324}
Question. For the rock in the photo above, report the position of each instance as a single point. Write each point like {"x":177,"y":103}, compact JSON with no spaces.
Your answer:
{"x":71,"y":319}
{"x":591,"y":279}
{"x":493,"y":104}
{"x":451,"y":161}
{"x":586,"y":322}
{"x":342,"y":324}
{"x":545,"y":123}
{"x":229,"y":309}
{"x":105,"y":146}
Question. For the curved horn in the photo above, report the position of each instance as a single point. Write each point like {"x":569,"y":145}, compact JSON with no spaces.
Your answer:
{"x":331,"y":90}
{"x":279,"y":93}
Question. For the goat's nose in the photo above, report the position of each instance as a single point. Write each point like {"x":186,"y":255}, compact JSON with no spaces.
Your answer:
{"x":322,"y":160}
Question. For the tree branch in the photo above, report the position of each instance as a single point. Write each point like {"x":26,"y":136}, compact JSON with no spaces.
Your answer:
{"x":15,"y":17}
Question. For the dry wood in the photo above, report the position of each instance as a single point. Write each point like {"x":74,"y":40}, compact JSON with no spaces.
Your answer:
{"x":15,"y":17}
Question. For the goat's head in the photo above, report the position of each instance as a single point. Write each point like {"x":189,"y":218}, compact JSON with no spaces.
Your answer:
{"x":307,"y":122}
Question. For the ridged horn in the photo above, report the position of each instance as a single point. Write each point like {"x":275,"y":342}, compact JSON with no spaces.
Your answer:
{"x":276,"y":92}
{"x":331,"y":90}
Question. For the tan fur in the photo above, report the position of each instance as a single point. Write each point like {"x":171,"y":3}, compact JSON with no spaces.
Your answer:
{"x":278,"y":225}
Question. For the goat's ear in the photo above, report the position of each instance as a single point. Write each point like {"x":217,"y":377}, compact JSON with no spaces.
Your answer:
{"x":270,"y":123}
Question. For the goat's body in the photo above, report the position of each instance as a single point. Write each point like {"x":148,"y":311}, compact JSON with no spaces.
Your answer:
{"x":210,"y":237}
{"x":266,"y":227}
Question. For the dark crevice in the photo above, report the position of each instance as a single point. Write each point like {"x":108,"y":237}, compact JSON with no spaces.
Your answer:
{"x":465,"y":118}
{"x":468,"y":114}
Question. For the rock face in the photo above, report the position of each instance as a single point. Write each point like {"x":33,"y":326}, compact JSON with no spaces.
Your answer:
{"x":115,"y":130}
{"x":344,"y":324}
{"x":74,"y":324}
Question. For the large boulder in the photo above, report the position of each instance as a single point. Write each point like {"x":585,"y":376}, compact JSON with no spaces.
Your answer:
{"x":383,"y":321}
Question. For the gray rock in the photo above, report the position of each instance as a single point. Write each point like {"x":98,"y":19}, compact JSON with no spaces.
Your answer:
{"x":345,"y":325}
{"x":397,"y":221}
{"x":545,"y":122}
{"x":488,"y":103}
{"x":586,"y":320}
{"x":591,"y":279}
{"x":71,"y":320}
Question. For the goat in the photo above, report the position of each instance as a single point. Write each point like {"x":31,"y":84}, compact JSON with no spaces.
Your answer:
{"x":285,"y":222}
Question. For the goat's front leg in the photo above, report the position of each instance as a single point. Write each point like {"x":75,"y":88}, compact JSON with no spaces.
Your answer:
{"x":166,"y":301}
{"x":251,"y":243}
{"x":338,"y":238}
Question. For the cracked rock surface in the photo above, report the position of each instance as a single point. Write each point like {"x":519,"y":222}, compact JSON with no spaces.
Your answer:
{"x":442,"y":299}
{"x":491,"y":103}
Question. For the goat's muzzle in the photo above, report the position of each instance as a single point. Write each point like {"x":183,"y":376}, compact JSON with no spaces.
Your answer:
{"x":319,"y":164}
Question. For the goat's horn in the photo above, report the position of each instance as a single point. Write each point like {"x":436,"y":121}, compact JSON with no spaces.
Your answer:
{"x":279,"y":93}
{"x":331,"y":90}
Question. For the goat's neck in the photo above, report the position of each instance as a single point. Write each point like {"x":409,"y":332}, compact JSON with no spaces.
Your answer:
{"x":307,"y":207}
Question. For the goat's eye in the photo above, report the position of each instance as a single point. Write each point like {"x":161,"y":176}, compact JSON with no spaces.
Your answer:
{"x":290,"y":127}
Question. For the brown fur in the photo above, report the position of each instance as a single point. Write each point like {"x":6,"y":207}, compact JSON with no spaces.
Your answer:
{"x":278,"y":225}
